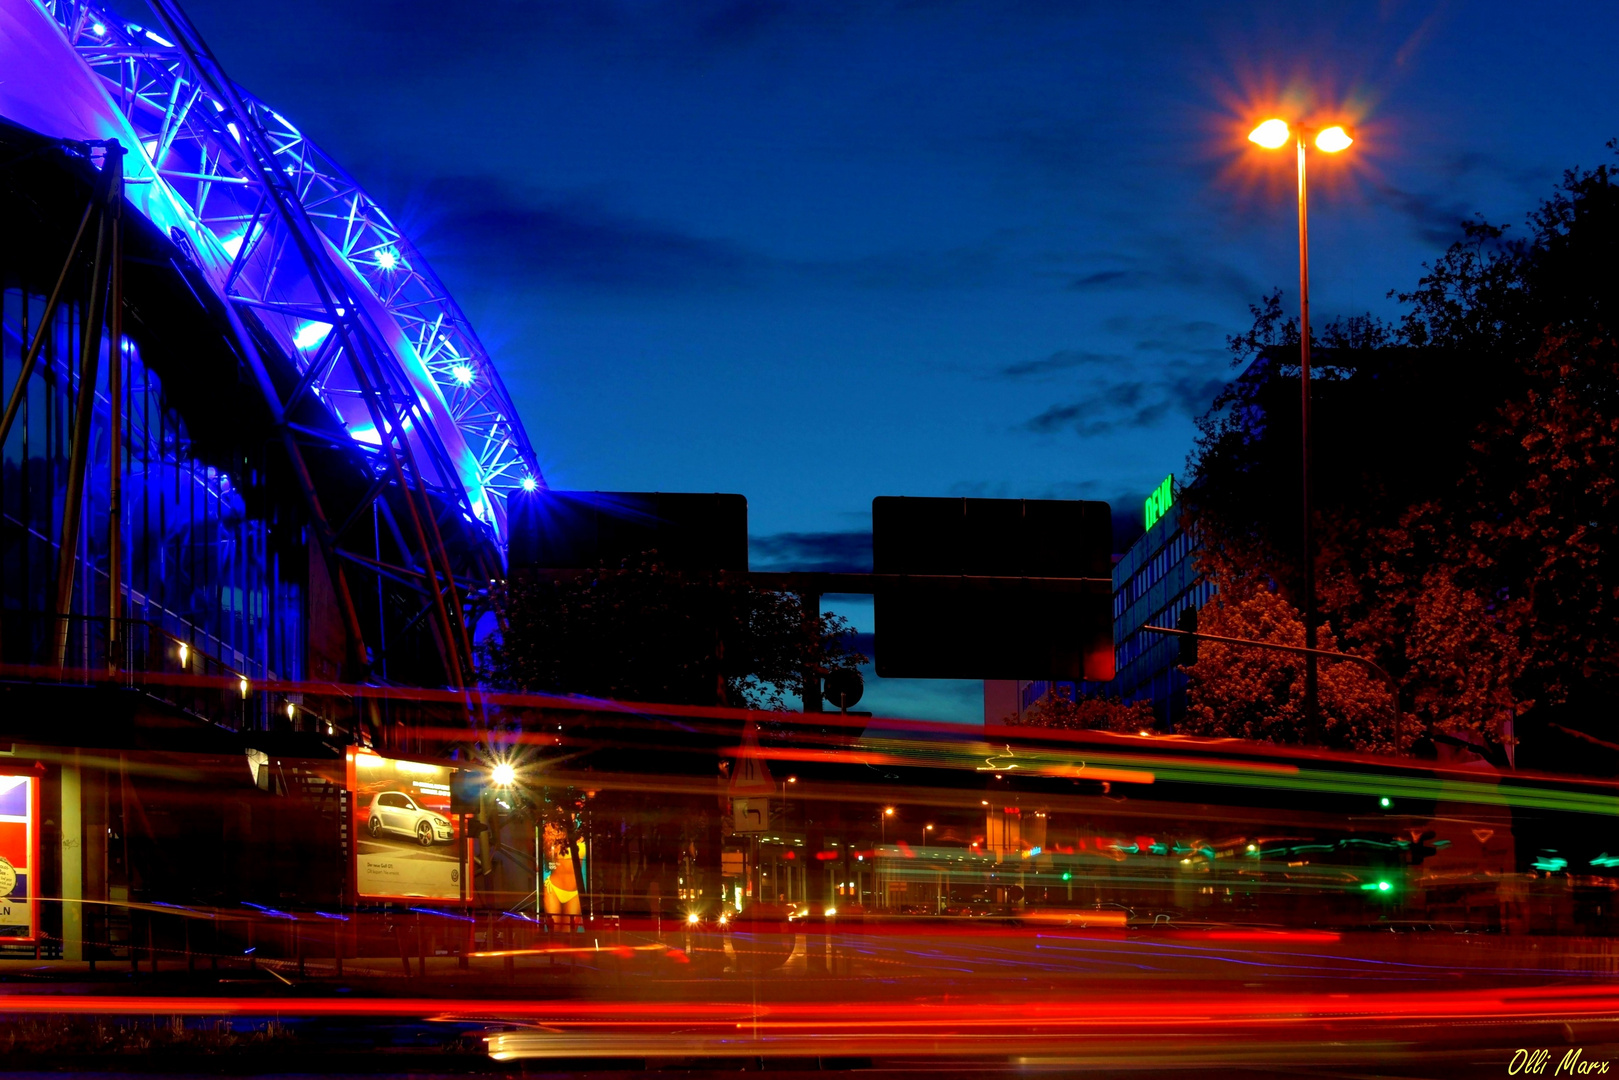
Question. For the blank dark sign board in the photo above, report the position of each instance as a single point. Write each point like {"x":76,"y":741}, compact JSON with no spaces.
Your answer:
{"x":581,"y":530}
{"x":969,"y":629}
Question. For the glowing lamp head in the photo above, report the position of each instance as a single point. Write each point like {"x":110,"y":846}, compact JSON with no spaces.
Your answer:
{"x":386,"y":259}
{"x":530,"y":484}
{"x":831,"y":911}
{"x":889,"y":811}
{"x":462,"y":373}
{"x":792,"y":779}
{"x":503,"y":774}
{"x":99,"y":29}
{"x":1333,"y":139}
{"x":185,"y":653}
{"x":242,"y":683}
{"x":292,"y":711}
{"x":1272,"y":134}
{"x":692,"y":919}
{"x":1385,"y":802}
{"x":1383,"y":886}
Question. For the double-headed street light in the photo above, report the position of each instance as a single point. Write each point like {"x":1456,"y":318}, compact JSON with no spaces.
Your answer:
{"x":1273,"y":135}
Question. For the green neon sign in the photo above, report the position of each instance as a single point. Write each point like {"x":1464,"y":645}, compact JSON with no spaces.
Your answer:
{"x":1159,"y":502}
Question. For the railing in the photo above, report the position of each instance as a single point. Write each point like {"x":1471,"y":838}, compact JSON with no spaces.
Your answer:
{"x":124,"y":648}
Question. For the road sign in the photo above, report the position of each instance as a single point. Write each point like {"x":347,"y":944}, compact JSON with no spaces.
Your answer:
{"x":1032,"y":595}
{"x":750,"y":814}
{"x":582,"y":530}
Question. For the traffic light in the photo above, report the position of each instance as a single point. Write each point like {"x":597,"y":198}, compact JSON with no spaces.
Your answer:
{"x":1188,"y":622}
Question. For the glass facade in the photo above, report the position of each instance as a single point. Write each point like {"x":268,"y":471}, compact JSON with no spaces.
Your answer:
{"x":209,"y":560}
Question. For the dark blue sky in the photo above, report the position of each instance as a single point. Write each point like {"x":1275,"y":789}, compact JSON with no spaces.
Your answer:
{"x":819,"y":251}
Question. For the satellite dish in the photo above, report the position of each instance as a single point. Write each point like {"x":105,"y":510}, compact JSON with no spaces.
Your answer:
{"x":843,"y":688}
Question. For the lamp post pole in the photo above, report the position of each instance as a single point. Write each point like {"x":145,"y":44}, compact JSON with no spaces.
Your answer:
{"x":1307,"y":556}
{"x":1273,"y":135}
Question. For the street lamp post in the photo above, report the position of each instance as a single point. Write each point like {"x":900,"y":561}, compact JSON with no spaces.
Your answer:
{"x":1273,"y":135}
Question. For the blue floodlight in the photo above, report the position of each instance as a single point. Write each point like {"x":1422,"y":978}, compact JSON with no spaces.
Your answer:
{"x":462,"y":373}
{"x":530,"y":484}
{"x":311,"y":334}
{"x":100,"y":29}
{"x":386,"y":259}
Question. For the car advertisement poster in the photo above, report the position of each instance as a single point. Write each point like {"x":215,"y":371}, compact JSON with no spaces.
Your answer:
{"x":405,"y":838}
{"x":19,"y":854}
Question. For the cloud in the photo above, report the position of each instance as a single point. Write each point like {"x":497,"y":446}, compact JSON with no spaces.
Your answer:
{"x":827,"y":552}
{"x":1063,"y":360}
{"x":1185,"y":387}
{"x":1166,"y":261}
{"x":568,"y":241}
{"x":575,"y":241}
{"x":1434,"y":218}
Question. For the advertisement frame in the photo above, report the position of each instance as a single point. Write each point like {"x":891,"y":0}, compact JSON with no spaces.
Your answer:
{"x":35,"y":777}
{"x":463,"y":842}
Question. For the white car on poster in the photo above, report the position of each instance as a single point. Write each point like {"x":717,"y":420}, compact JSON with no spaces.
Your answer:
{"x":397,"y":813}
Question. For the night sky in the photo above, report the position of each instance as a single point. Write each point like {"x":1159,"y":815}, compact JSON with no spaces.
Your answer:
{"x":816,"y":252}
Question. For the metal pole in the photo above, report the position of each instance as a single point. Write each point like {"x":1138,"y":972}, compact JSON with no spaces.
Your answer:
{"x":115,"y":428}
{"x":18,"y":392}
{"x":1312,"y":723}
{"x":89,"y":360}
{"x":810,"y":603}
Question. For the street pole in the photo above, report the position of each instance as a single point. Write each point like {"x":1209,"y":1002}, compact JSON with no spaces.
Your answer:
{"x":1311,"y":717}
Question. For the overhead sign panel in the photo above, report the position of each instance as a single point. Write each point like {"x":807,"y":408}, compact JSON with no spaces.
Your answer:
{"x":581,"y":530}
{"x":1004,"y":589}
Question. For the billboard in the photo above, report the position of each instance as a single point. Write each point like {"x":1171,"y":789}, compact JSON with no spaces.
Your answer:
{"x":406,"y":840}
{"x":19,"y":855}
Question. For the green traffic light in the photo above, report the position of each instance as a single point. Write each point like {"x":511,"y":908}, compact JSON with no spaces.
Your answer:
{"x":1385,"y":802}
{"x":1066,"y":876}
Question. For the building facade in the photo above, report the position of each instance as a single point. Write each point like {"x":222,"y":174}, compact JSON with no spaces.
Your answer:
{"x":252,"y":456}
{"x":1153,"y":584}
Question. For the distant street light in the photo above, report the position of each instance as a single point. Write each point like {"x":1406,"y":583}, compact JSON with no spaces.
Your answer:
{"x":503,"y":774}
{"x":1273,"y":134}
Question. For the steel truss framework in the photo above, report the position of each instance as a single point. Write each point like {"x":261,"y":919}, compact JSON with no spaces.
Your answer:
{"x":305,"y":259}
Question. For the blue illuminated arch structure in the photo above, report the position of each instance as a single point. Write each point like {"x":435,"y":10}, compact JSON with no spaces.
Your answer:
{"x":315,"y":278}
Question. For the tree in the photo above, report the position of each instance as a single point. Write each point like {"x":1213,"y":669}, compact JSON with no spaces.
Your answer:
{"x":644,"y":632}
{"x":1253,"y":693}
{"x":1060,"y":709}
{"x":1463,"y":476}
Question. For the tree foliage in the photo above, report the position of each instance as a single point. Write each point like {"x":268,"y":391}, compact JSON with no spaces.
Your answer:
{"x":1060,"y":709}
{"x":1236,"y":690}
{"x":644,"y":632}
